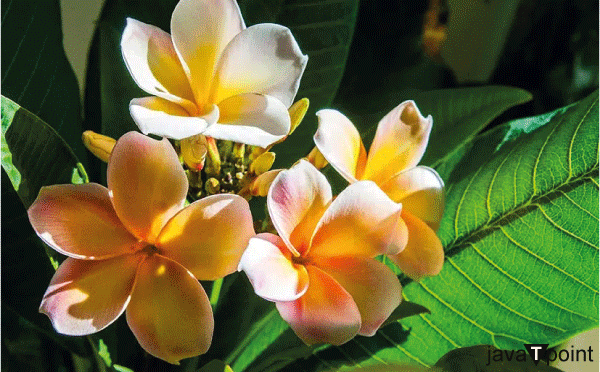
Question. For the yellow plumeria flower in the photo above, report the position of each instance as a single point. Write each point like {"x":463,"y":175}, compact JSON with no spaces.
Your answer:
{"x":398,"y":146}
{"x":212,"y":75}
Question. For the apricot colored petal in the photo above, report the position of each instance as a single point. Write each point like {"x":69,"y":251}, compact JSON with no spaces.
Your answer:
{"x":267,"y":263}
{"x":325,"y":314}
{"x":153,"y":63}
{"x":424,"y":253}
{"x":169,"y":312}
{"x":261,"y":184}
{"x":147,"y":184}
{"x":252,"y":119}
{"x":399,"y":143}
{"x":263,"y":58}
{"x":208,"y":236}
{"x":154,"y":115}
{"x":339,"y":142}
{"x":360,"y":222}
{"x":372,"y":285}
{"x":86,"y":296}
{"x":296,"y":201}
{"x":421,"y":192}
{"x":200,"y":30}
{"x":79,"y":221}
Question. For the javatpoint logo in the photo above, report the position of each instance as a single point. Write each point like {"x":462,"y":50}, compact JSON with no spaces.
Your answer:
{"x":539,"y":352}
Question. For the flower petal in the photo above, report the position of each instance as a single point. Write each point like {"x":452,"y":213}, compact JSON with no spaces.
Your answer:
{"x":154,"y":115}
{"x":153,"y":63}
{"x":325,"y":314}
{"x":372,"y":285}
{"x":339,"y":142}
{"x":169,"y":312}
{"x":399,"y":143}
{"x":86,"y":296}
{"x":147,"y":184}
{"x":421,"y":192}
{"x":296,"y":201}
{"x":424,"y":253}
{"x":79,"y":221}
{"x":200,"y":30}
{"x":252,"y":119}
{"x":361,"y":222}
{"x":267,"y":263}
{"x":263,"y":58}
{"x":209,"y":236}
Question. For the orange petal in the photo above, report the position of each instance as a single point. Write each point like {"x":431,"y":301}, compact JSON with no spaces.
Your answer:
{"x":209,"y":236}
{"x":399,"y":143}
{"x":421,"y":192}
{"x":325,"y":314}
{"x":372,"y":285}
{"x":267,"y":263}
{"x":153,"y":63}
{"x":200,"y":30}
{"x":339,"y":142}
{"x":169,"y":312}
{"x":424,"y":253}
{"x":296,"y":201}
{"x":360,"y":222}
{"x":79,"y":221}
{"x":264,"y":59}
{"x":147,"y":184}
{"x":86,"y":296}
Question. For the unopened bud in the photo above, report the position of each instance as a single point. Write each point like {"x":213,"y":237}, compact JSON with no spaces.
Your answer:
{"x":316,"y":158}
{"x":212,"y":186}
{"x":99,"y":145}
{"x":261,"y":184}
{"x":297,"y":112}
{"x":262,"y":163}
{"x":213,"y":164}
{"x":238,"y":150}
{"x":193,"y":151}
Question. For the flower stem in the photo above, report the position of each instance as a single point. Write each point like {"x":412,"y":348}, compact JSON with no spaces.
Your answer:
{"x":215,"y":292}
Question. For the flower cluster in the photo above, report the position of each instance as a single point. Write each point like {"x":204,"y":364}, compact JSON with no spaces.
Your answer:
{"x":223,"y":93}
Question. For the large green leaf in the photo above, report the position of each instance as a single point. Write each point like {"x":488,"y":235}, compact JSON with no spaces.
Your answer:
{"x":323,"y":30}
{"x":34,"y":154}
{"x":521,"y":239}
{"x":35,"y":70}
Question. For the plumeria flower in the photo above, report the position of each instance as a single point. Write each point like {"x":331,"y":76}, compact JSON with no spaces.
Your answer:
{"x":320,"y":270}
{"x":213,"y":75}
{"x":398,"y":146}
{"x":133,"y":246}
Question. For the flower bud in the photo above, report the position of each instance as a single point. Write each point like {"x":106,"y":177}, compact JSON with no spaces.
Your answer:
{"x":316,"y":158}
{"x":297,"y":112}
{"x":262,"y":163}
{"x":193,"y":151}
{"x":212,"y":186}
{"x":99,"y":145}
{"x":213,"y":165}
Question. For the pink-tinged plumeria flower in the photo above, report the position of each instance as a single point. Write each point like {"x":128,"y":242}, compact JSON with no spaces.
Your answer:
{"x":133,"y":246}
{"x":320,"y":270}
{"x":398,"y":146}
{"x":213,"y":75}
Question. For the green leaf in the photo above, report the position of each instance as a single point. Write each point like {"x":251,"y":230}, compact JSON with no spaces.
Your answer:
{"x":520,"y":232}
{"x":459,"y":114}
{"x":323,"y":30}
{"x":35,"y":71}
{"x":35,"y":155}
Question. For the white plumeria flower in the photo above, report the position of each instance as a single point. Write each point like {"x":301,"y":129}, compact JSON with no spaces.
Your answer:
{"x":213,"y":75}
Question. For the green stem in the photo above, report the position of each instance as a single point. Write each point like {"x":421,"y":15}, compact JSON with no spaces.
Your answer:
{"x":215,"y":292}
